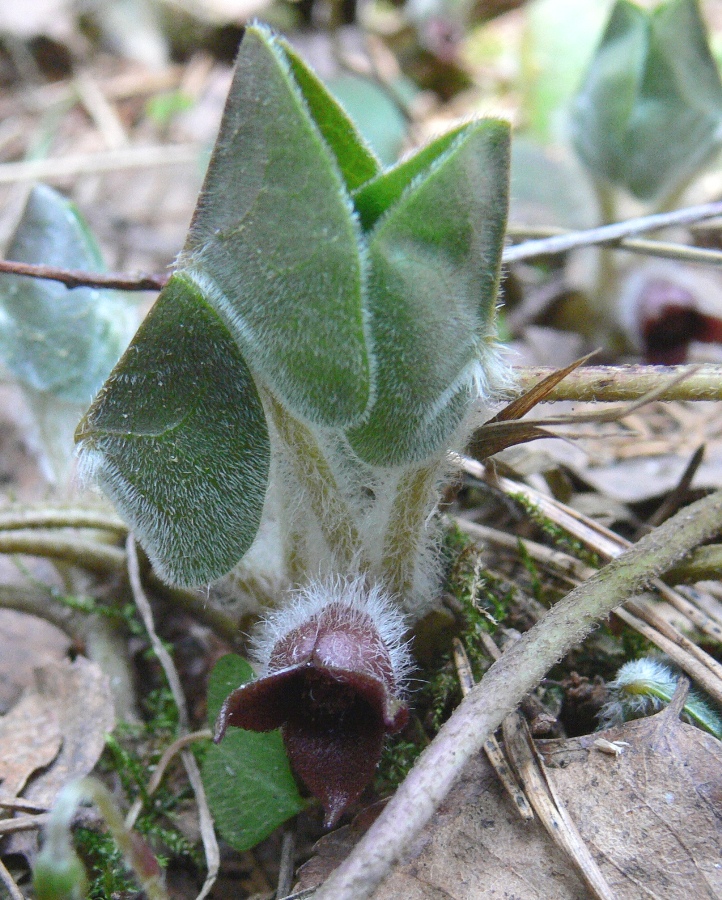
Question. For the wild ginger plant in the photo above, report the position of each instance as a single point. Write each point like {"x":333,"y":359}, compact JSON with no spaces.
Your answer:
{"x":294,"y":393}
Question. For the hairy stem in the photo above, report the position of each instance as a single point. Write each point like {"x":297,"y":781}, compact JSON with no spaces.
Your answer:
{"x":608,"y":384}
{"x":518,"y":671}
{"x":314,"y":474}
{"x":405,"y":529}
{"x":91,"y":555}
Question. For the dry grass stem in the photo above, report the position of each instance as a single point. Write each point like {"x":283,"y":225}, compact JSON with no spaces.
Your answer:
{"x":62,"y":167}
{"x":609,"y":234}
{"x":208,"y":835}
{"x":610,"y":384}
{"x":551,"y":811}
{"x":492,"y":749}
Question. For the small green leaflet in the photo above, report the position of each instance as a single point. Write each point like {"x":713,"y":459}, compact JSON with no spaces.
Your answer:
{"x":249,"y":784}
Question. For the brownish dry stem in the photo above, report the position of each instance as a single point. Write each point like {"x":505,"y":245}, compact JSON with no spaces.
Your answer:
{"x":73,"y":278}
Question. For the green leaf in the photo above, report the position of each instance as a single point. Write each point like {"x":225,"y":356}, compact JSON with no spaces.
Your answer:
{"x":649,"y":113}
{"x":377,"y":116}
{"x":274,"y":243}
{"x":178,"y":440}
{"x":376,"y":197}
{"x":355,"y":158}
{"x":54,"y":339}
{"x":249,"y":784}
{"x":434,"y":262}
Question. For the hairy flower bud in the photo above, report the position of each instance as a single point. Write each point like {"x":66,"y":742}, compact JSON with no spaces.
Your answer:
{"x":333,"y":664}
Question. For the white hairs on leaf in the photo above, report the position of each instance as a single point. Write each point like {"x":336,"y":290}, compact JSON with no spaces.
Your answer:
{"x":643,"y":687}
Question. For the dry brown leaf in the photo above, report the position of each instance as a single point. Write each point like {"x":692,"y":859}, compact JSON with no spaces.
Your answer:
{"x":476,"y":846}
{"x":80,"y":695}
{"x":29,"y":740}
{"x":26,"y":642}
{"x":651,"y":815}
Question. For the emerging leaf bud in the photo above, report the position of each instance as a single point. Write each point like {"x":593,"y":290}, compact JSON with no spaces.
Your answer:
{"x":333,"y":665}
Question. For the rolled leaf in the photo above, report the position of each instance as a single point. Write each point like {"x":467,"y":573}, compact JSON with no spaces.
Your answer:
{"x":354,"y":157}
{"x":378,"y":195}
{"x":178,"y":440}
{"x":434,"y":261}
{"x":649,"y":112}
{"x":274,"y":243}
{"x":53,"y":339}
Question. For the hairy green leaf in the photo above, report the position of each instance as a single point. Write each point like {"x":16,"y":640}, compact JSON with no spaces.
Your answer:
{"x":377,"y":196}
{"x":274,"y":243}
{"x":354,"y":157}
{"x":247,"y":778}
{"x":53,"y":339}
{"x":434,"y":263}
{"x":178,"y":440}
{"x":650,"y":110}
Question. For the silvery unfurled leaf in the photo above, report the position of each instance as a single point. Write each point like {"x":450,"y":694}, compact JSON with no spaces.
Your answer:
{"x":53,"y":339}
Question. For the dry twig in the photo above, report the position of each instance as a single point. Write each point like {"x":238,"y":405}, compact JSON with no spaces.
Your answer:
{"x":210,"y":844}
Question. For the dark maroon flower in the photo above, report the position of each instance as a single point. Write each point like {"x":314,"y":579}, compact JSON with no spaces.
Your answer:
{"x":669,"y":319}
{"x":333,"y":665}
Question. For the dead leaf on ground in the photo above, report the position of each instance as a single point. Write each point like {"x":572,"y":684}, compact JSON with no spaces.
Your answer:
{"x":26,"y":642}
{"x":80,"y":695}
{"x":29,"y":740}
{"x":652,"y":816}
{"x":476,"y":845}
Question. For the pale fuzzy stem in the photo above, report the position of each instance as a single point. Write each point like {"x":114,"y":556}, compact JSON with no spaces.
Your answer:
{"x":404,"y":535}
{"x":319,"y":484}
{"x":294,"y":555}
{"x":610,"y":384}
{"x":509,"y":679}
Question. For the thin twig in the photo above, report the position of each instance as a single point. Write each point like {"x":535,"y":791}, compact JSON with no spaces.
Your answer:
{"x":643,"y":246}
{"x":492,"y":749}
{"x":61,"y":167}
{"x":23,"y":823}
{"x":90,"y":555}
{"x":604,"y":542}
{"x":73,"y":278}
{"x":609,"y":384}
{"x":286,"y":866}
{"x":518,"y":671}
{"x":609,"y":234}
{"x":168,"y":754}
{"x":210,"y":844}
{"x":18,"y":804}
{"x":9,"y":882}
